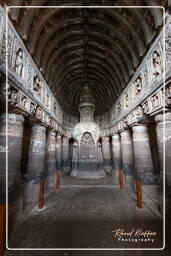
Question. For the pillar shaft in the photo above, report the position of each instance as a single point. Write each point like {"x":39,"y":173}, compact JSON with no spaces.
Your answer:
{"x":65,"y":155}
{"x":161,"y":138}
{"x":36,"y":164}
{"x":106,"y":150}
{"x":127,"y":157}
{"x":142,"y":155}
{"x":15,"y":138}
{"x":59,"y":151}
{"x":144,"y":165}
{"x":51,"y":158}
{"x":116,"y":156}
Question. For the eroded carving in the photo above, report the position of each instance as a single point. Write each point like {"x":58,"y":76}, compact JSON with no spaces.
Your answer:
{"x":19,"y":63}
{"x":37,"y":85}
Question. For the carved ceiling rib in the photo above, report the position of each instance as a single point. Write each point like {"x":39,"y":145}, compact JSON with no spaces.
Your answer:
{"x":52,"y":46}
{"x":101,"y":74}
{"x":107,"y":63}
{"x":116,"y":63}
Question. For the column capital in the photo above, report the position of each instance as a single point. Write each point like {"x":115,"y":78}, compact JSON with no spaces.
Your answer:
{"x":163,"y":117}
{"x":37,"y":126}
{"x":12,"y":118}
{"x":51,"y":133}
{"x":34,"y":121}
{"x":58,"y":135}
{"x":125,"y":133}
{"x":140,"y":127}
{"x":116,"y":136}
{"x":65,"y":138}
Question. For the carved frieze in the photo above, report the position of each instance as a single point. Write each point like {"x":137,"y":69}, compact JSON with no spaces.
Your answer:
{"x":23,"y":68}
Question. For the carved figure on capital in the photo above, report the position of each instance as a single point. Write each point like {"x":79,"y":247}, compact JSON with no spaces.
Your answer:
{"x":131,"y":118}
{"x":24,"y":102}
{"x":14,"y":97}
{"x":155,"y":101}
{"x":19,"y":62}
{"x":139,"y":112}
{"x":168,"y":95}
{"x":4,"y":93}
{"x":51,"y":123}
{"x":32,"y":108}
{"x":146,"y":107}
{"x":39,"y":113}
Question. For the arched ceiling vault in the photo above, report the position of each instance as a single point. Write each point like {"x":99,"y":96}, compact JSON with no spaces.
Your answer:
{"x":99,"y":47}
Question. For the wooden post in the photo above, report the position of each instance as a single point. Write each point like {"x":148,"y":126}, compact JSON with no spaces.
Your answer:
{"x":58,"y":179}
{"x":121,"y":179}
{"x":41,"y":193}
{"x":139,"y":193}
{"x":2,"y":227}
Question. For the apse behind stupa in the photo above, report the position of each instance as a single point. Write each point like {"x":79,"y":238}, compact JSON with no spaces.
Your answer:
{"x":87,"y":160}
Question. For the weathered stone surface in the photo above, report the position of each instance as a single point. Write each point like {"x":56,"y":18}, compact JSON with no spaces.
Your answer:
{"x":51,"y":158}
{"x":144,"y":165}
{"x":15,"y":137}
{"x":65,"y":155}
{"x":106,"y":151}
{"x":36,"y":165}
{"x":91,"y":212}
{"x":59,"y":151}
{"x":142,"y":155}
{"x":163,"y":129}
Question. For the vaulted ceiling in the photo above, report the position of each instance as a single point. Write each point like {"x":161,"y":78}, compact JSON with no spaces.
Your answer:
{"x":99,"y":47}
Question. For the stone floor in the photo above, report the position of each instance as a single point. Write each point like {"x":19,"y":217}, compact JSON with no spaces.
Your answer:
{"x":84,"y":216}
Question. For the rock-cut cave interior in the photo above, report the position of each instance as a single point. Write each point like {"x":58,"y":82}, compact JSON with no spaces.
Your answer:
{"x":85,"y":127}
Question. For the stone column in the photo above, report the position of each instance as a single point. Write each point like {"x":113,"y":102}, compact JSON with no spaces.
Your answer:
{"x":144,"y":164}
{"x":36,"y":164}
{"x":160,"y":128}
{"x":106,"y":150}
{"x":127,"y":157}
{"x":65,"y":155}
{"x":15,"y":138}
{"x":59,"y":151}
{"x":51,"y":158}
{"x":116,"y":156}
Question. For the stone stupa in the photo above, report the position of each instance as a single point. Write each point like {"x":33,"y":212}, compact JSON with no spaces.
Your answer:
{"x":87,"y":161}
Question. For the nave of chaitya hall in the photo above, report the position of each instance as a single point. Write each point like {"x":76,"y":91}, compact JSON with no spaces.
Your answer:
{"x":85,"y":127}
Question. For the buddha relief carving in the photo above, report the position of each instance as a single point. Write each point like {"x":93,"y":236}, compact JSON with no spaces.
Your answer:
{"x":37,"y":86}
{"x":156,"y":61}
{"x":138,"y":86}
{"x":19,"y":63}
